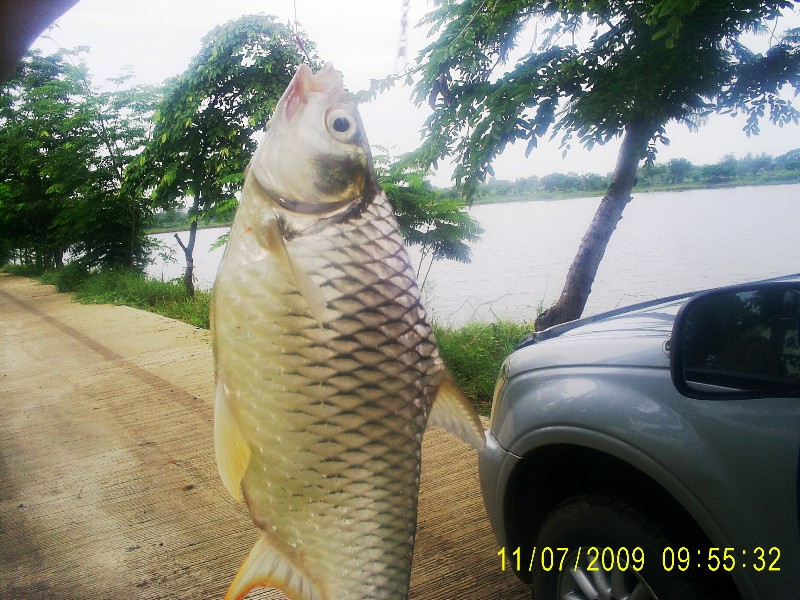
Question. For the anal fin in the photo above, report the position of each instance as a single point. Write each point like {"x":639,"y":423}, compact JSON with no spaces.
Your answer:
{"x":453,"y":411}
{"x":232,"y":451}
{"x":266,"y":566}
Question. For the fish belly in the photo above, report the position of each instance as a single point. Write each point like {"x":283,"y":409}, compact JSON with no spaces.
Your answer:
{"x":333,"y":413}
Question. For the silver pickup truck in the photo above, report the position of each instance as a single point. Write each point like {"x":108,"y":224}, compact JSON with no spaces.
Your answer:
{"x":652,"y":452}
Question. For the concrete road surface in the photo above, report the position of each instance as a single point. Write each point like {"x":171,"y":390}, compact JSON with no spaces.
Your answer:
{"x":108,"y":487}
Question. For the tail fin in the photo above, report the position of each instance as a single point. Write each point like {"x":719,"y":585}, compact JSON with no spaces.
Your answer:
{"x":268,"y":567}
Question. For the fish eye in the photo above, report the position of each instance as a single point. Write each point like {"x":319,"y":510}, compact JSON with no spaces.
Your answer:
{"x":342,"y":125}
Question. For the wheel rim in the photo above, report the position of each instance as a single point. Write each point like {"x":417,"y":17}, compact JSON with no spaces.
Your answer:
{"x":614,"y":584}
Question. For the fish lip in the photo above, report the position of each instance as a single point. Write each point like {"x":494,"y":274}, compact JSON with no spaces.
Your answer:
{"x":305,"y":82}
{"x":296,"y":92}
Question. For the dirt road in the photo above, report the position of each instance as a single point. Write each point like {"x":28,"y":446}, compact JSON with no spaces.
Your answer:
{"x":108,"y":487}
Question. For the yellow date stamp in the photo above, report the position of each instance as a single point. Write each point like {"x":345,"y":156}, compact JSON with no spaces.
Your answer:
{"x":594,"y":558}
{"x":590,"y":558}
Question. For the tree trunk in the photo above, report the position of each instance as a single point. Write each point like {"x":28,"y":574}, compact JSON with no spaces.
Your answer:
{"x":188,"y":253}
{"x":188,"y":250}
{"x":584,"y":266}
{"x":132,"y":215}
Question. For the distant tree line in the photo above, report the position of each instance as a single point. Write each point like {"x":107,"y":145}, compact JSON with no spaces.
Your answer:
{"x":676,"y":173}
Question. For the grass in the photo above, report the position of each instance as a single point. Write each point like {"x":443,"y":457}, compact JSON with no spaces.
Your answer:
{"x":168,"y":298}
{"x":124,"y":287}
{"x":473,"y":352}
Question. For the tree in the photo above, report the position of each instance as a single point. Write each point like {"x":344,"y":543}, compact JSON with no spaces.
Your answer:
{"x":789,"y":161}
{"x":204,"y":127}
{"x":678,"y":169}
{"x":645,"y":65}
{"x":26,"y":210}
{"x":755,"y":165}
{"x":653,"y":174}
{"x":63,"y":149}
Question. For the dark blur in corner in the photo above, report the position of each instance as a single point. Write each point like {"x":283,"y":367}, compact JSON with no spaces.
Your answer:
{"x":21,"y":22}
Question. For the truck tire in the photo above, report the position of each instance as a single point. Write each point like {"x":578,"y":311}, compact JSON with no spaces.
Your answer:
{"x":604,"y":549}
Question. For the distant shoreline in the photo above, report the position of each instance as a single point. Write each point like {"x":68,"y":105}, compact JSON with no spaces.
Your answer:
{"x":185,"y":227}
{"x":537,"y":197}
{"x":544,"y":196}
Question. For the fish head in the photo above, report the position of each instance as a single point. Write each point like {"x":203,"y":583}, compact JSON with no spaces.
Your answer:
{"x":315,"y":158}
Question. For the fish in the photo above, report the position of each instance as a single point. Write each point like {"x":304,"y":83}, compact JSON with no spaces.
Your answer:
{"x":327,"y":370}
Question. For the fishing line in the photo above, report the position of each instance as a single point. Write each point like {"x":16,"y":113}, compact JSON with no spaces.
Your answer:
{"x":297,"y":39}
{"x":402,"y":52}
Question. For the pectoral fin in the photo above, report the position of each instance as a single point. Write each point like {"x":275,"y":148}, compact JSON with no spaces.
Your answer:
{"x":232,"y":451}
{"x":268,"y":566}
{"x":309,"y":290}
{"x":453,"y":411}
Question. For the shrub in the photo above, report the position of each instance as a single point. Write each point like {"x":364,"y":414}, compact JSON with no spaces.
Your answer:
{"x":67,"y":278}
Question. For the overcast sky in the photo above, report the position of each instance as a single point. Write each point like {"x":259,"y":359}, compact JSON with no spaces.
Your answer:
{"x":361,"y":38}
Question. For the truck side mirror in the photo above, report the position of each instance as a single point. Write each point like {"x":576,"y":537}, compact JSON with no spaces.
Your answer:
{"x":738,"y":342}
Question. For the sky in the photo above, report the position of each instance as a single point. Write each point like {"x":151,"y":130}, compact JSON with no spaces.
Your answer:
{"x":361,"y":38}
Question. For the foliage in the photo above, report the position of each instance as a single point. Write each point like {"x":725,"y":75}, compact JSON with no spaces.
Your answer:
{"x":645,"y":63}
{"x":205,"y":126}
{"x":678,"y":169}
{"x":435,"y":220}
{"x":749,"y":170}
{"x":168,"y":298}
{"x":474,"y":353}
{"x":179,"y":220}
{"x":63,"y":148}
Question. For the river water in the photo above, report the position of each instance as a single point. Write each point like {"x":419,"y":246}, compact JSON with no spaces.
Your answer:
{"x":666,"y":243}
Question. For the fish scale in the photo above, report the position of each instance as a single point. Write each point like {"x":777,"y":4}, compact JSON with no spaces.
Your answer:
{"x":327,"y":368}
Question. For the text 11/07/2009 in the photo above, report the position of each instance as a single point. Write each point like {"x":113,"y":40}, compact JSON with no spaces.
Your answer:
{"x":592,"y":558}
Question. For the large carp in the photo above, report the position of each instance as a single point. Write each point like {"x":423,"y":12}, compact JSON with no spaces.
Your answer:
{"x":326,"y":367}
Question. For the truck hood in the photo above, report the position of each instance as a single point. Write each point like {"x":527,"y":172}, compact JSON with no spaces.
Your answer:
{"x":632,"y":336}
